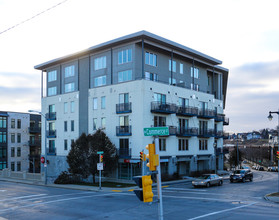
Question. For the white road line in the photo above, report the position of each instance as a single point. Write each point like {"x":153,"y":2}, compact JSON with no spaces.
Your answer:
{"x":2,"y":190}
{"x":225,"y":210}
{"x":197,"y":198}
{"x":53,"y":201}
{"x":194,"y":190}
{"x":21,"y":197}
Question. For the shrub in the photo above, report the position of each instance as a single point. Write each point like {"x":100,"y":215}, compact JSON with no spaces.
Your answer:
{"x":67,"y":178}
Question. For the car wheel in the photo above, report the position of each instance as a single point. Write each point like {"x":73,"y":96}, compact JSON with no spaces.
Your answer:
{"x":207,"y":185}
{"x":220,"y":183}
{"x":243,"y":180}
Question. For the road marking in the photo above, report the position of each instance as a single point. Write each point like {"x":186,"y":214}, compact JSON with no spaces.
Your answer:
{"x":196,"y":190}
{"x":116,"y":190}
{"x":22,"y":197}
{"x":225,"y":210}
{"x":196,"y":198}
{"x":131,"y":190}
{"x":165,"y":186}
{"x":2,"y":190}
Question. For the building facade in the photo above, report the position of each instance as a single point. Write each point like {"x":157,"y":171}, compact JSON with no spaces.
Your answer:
{"x":20,"y":141}
{"x":130,"y":83}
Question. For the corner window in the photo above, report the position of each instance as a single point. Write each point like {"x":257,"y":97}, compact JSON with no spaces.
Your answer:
{"x":100,"y":63}
{"x":52,"y":76}
{"x":69,"y":71}
{"x":125,"y":56}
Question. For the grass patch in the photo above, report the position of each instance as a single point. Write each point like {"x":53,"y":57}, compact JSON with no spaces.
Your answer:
{"x":108,"y":184}
{"x":273,"y":194}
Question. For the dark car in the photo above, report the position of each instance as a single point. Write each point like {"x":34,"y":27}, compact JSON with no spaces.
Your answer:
{"x":241,"y":175}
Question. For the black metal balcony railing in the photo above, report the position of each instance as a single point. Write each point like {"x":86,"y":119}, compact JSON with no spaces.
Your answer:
{"x":34,"y":130}
{"x":34,"y":142}
{"x":123,"y":130}
{"x":187,"y":111}
{"x":206,"y":113}
{"x":51,"y":116}
{"x":226,"y":121}
{"x":187,"y":132}
{"x":51,"y":151}
{"x":124,"y":152}
{"x":164,"y":108}
{"x":219,"y":117}
{"x":219,"y":134}
{"x":124,"y":108}
{"x":206,"y":133}
{"x":51,"y":133}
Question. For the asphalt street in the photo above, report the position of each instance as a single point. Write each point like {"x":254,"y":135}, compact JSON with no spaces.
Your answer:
{"x":180,"y":201}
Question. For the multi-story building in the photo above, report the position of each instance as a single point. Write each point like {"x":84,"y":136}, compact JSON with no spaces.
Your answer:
{"x":130,"y":83}
{"x":20,"y":141}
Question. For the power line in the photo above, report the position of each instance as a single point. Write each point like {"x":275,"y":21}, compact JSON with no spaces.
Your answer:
{"x":20,"y":23}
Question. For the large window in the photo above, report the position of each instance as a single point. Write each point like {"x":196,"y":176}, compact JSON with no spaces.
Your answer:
{"x":52,"y":91}
{"x":69,"y":71}
{"x":183,"y":144}
{"x":150,"y":59}
{"x":69,"y":87}
{"x":125,"y":76}
{"x":123,"y":98}
{"x":202,"y":144}
{"x":183,"y":102}
{"x":100,"y":63}
{"x":195,"y":72}
{"x":100,"y":81}
{"x":124,"y":56}
{"x":173,"y":65}
{"x":151,"y":76}
{"x":160,"y":98}
{"x":3,"y":122}
{"x":3,"y":137}
{"x":52,"y":76}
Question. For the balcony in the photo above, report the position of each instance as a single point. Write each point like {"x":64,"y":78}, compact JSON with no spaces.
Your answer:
{"x":34,"y":130}
{"x":219,"y":134}
{"x":226,"y":121}
{"x":51,"y":133}
{"x":51,"y":151}
{"x":219,"y":117}
{"x":51,"y":116}
{"x":187,"y":132}
{"x":124,"y":108}
{"x":34,"y":143}
{"x":163,"y":108}
{"x":124,"y":152}
{"x":206,"y":113}
{"x":123,"y":130}
{"x":187,"y":111}
{"x":206,"y":133}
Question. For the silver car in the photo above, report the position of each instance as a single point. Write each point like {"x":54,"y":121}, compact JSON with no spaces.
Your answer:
{"x":208,"y":180}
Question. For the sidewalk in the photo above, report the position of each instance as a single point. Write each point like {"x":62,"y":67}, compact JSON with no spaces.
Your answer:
{"x":271,"y":197}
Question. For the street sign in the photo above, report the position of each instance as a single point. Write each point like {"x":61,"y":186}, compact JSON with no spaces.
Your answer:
{"x":100,"y":152}
{"x":42,"y":159}
{"x":156,"y":131}
{"x":100,"y":166}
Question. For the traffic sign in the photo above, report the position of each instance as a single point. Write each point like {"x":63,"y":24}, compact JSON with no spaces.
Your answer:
{"x":100,"y":152}
{"x":100,"y":166}
{"x":156,"y":131}
{"x":42,"y":159}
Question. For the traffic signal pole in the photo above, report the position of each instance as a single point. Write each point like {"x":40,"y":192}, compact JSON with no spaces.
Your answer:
{"x":159,"y":184}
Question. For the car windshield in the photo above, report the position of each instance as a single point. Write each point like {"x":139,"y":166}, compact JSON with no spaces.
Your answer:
{"x":239,"y":172}
{"x":204,"y":177}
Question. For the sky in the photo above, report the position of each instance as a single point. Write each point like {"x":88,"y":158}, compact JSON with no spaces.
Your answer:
{"x":244,"y":34}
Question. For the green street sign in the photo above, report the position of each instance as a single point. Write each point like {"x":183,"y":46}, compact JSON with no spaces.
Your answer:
{"x":156,"y":131}
{"x":100,"y":152}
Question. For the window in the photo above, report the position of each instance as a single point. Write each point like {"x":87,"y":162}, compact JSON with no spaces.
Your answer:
{"x":183,"y":102}
{"x":95,"y":103}
{"x":183,"y":144}
{"x":183,"y":124}
{"x":125,"y":76}
{"x":69,"y":87}
{"x":18,"y":123}
{"x":202,"y":144}
{"x":13,"y":137}
{"x":3,"y":137}
{"x":173,"y":66}
{"x":195,"y":87}
{"x":203,"y":126}
{"x":94,"y":124}
{"x":72,"y":141}
{"x":65,"y":107}
{"x":3,"y":165}
{"x":123,"y":98}
{"x":181,"y":68}
{"x":51,"y":145}
{"x":124,"y":120}
{"x":12,"y":166}
{"x":13,"y":123}
{"x":162,"y":144}
{"x":69,"y":71}
{"x":151,"y":76}
{"x":195,"y":72}
{"x":204,"y":105}
{"x":3,"y":122}
{"x":159,"y":121}
{"x":160,"y":98}
{"x":124,"y":147}
{"x":150,"y":59}
{"x":103,"y":102}
{"x":173,"y":82}
{"x":18,"y":166}
{"x":12,"y":152}
{"x":51,"y":108}
{"x":52,"y":91}
{"x":65,"y":144}
{"x":52,"y":76}
{"x":103,"y":123}
{"x":125,"y":56}
{"x":100,"y":63}
{"x":65,"y":126}
{"x":51,"y":126}
{"x":72,"y":125}
{"x":18,"y":138}
{"x":72,"y":106}
{"x":18,"y":152}
{"x":3,"y":153}
{"x":100,"y":81}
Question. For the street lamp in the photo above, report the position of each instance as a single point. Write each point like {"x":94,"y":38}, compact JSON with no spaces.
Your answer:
{"x":270,"y":117}
{"x":45,"y":163}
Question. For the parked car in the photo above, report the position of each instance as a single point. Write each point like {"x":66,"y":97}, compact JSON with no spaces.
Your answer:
{"x":208,"y":180}
{"x":241,"y":175}
{"x":271,"y":169}
{"x":261,"y":168}
{"x":254,"y":167}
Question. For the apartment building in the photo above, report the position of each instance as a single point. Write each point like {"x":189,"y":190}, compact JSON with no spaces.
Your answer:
{"x":20,"y":141}
{"x":130,"y":83}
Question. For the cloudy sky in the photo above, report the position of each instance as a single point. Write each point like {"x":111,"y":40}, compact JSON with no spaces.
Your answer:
{"x":244,"y":34}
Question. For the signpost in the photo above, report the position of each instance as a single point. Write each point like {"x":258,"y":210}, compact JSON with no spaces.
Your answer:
{"x":100,"y":167}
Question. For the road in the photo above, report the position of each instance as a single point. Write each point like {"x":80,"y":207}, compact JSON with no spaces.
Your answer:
{"x":180,"y":201}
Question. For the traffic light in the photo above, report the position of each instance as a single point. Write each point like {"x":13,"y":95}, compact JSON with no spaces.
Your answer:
{"x":142,"y":156}
{"x":277,"y":154}
{"x":145,"y":194}
{"x":101,"y":158}
{"x":153,"y":158}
